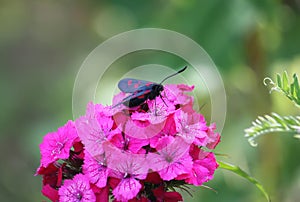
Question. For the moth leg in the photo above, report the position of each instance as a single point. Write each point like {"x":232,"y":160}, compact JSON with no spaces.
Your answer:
{"x":166,"y":96}
{"x":155,"y":107}
{"x":162,"y":100}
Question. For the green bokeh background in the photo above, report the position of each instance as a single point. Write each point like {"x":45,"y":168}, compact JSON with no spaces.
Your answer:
{"x":43,"y":44}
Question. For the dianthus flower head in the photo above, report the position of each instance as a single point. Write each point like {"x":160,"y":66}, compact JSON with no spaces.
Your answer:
{"x":57,"y":145}
{"x":135,"y":154}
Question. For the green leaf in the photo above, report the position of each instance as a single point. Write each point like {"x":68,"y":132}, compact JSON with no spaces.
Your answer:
{"x":296,"y":87}
{"x":237,"y":170}
{"x":290,"y":90}
{"x":272,"y":123}
{"x":285,"y":82}
{"x":279,"y":82}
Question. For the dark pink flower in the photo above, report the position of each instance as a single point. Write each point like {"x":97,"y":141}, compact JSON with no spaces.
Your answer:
{"x":57,"y":145}
{"x":129,"y":168}
{"x":204,"y":166}
{"x":94,"y":128}
{"x":163,"y":141}
{"x":127,"y":189}
{"x":154,"y":178}
{"x":169,"y":129}
{"x":164,"y":196}
{"x":95,"y":169}
{"x":76,"y":190}
{"x":172,"y":158}
{"x":191,"y":127}
{"x":50,"y":192}
{"x":124,"y":163}
{"x":170,"y":126}
{"x":52,"y":174}
{"x":102,"y":194}
{"x":78,"y":149}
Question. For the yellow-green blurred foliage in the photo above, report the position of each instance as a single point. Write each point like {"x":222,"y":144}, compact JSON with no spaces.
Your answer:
{"x":43,"y":43}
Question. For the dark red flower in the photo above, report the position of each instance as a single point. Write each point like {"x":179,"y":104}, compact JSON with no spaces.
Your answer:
{"x":163,"y":196}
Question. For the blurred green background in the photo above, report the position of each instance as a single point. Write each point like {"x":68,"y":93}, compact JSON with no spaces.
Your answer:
{"x":43,"y":44}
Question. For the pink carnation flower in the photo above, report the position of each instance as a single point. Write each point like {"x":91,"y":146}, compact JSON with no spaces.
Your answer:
{"x":204,"y":166}
{"x":127,"y":189}
{"x":172,"y":158}
{"x":191,"y":127}
{"x":95,"y":169}
{"x":76,"y":190}
{"x":57,"y":145}
{"x":94,"y":128}
{"x":129,"y":168}
{"x":203,"y":170}
{"x":125,"y":163}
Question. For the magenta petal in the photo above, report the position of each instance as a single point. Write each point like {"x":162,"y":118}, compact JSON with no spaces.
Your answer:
{"x":164,"y":141}
{"x":134,"y":130}
{"x":135,"y":145}
{"x":127,"y":189}
{"x":213,"y":137}
{"x":50,"y":192}
{"x":102,"y":195}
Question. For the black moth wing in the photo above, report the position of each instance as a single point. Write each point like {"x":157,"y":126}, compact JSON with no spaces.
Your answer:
{"x":129,"y":85}
{"x":136,"y":98}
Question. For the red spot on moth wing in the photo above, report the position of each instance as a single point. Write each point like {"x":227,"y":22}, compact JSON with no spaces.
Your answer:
{"x":147,"y":91}
{"x":141,"y":96}
{"x":129,"y":82}
{"x":148,"y":84}
{"x":136,"y":85}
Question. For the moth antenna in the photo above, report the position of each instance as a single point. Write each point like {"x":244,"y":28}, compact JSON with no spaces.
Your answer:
{"x":173,"y":74}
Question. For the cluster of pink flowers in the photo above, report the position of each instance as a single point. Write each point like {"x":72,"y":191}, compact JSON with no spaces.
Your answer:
{"x":130,"y":154}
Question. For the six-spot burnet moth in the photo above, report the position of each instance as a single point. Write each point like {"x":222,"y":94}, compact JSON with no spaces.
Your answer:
{"x":141,"y":90}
